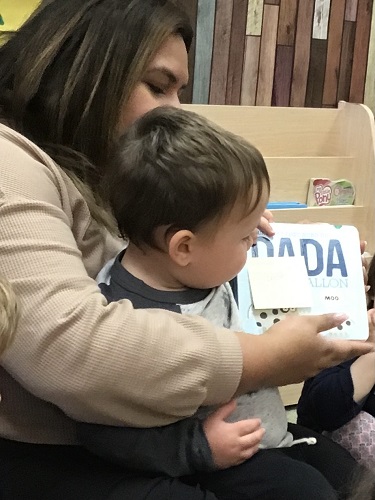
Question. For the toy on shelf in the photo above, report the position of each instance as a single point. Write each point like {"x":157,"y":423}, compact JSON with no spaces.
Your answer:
{"x":326,"y":192}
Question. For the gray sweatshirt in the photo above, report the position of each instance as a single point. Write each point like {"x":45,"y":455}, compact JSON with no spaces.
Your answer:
{"x":181,"y":448}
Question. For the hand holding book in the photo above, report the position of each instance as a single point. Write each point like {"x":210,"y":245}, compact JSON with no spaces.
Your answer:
{"x":295,"y":350}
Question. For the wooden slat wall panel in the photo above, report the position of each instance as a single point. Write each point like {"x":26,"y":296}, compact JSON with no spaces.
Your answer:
{"x":347,"y":49}
{"x":287,"y":22}
{"x":362,"y":35}
{"x":302,"y":52}
{"x":267,"y":55}
{"x":351,"y":10}
{"x":254,"y":17}
{"x":236,"y":54}
{"x":203,"y":55}
{"x":321,"y":16}
{"x":315,"y":79}
{"x":283,"y":75}
{"x":250,"y":71}
{"x":335,"y":29}
{"x":220,"y":56}
{"x":285,"y":52}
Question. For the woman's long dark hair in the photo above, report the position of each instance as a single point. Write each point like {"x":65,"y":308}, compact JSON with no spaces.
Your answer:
{"x":67,"y":72}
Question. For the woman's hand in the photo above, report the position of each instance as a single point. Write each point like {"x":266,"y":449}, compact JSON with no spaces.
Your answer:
{"x":293,"y":350}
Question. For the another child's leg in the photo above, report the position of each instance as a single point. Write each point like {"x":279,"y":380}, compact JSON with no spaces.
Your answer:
{"x":334,"y":462}
{"x":268,"y":475}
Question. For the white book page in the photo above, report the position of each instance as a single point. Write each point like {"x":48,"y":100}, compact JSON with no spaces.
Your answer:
{"x":332,"y":260}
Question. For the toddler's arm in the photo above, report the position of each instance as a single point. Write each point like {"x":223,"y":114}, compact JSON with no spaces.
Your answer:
{"x":182,"y":448}
{"x":174,"y":450}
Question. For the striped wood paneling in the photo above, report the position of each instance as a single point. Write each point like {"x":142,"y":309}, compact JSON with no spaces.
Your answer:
{"x":203,"y":53}
{"x":283,"y":52}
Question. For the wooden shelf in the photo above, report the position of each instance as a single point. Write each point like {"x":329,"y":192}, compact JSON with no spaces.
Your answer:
{"x":301,"y":143}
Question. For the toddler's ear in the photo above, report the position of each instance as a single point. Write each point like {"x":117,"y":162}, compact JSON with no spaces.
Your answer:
{"x":180,"y":247}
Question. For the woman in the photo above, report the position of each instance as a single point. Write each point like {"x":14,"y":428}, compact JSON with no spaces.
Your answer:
{"x":71,"y":80}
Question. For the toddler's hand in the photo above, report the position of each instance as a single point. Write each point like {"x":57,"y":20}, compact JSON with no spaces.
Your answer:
{"x":264,"y":223}
{"x":232,"y":443}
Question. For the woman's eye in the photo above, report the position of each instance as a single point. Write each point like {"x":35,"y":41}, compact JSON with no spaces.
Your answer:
{"x":155,"y":89}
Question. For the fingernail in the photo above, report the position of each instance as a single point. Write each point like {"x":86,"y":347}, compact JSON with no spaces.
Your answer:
{"x":367,"y":288}
{"x":340,"y":316}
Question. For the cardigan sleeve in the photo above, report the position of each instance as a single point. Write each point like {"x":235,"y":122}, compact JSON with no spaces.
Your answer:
{"x":98,"y":362}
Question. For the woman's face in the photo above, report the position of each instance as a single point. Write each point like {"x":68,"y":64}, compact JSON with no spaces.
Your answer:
{"x":166,"y":76}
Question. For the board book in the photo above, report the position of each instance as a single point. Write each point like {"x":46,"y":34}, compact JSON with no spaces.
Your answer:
{"x":304,"y":269}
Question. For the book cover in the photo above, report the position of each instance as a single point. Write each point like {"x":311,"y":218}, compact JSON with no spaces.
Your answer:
{"x":304,"y":269}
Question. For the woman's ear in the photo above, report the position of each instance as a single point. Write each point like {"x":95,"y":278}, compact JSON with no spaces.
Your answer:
{"x":180,"y":247}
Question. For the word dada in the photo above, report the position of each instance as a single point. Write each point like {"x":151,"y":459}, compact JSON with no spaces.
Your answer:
{"x":314,"y":255}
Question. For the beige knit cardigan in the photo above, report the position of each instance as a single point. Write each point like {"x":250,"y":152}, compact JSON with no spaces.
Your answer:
{"x":74,"y":356}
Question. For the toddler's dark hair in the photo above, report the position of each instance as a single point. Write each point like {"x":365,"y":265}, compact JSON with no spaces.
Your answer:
{"x":175,"y":168}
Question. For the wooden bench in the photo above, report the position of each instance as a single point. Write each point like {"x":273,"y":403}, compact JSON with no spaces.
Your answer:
{"x":300,"y":143}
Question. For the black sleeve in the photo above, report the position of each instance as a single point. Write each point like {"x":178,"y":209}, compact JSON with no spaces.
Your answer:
{"x":326,"y":402}
{"x":175,"y":450}
{"x":234,"y":286}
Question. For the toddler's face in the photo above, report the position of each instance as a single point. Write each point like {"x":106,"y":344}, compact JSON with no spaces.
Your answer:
{"x":222,"y":251}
